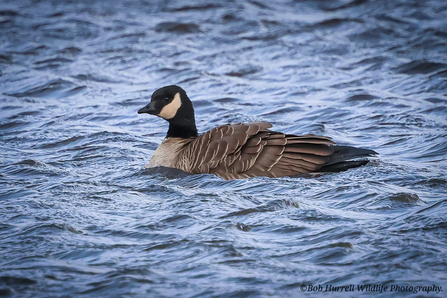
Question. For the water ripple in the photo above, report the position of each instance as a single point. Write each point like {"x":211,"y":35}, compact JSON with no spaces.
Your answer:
{"x":81,"y":216}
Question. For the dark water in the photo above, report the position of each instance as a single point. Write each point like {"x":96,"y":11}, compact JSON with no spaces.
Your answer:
{"x":80,"y":217}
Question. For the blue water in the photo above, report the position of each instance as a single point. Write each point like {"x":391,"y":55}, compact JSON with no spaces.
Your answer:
{"x":81,"y":217}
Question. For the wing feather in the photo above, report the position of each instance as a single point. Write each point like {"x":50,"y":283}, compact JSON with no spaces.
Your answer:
{"x":250,"y":149}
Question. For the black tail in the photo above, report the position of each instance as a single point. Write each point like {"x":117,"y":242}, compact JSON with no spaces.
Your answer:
{"x":341,"y":159}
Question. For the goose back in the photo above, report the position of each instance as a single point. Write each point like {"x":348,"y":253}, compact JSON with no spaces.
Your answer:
{"x":245,"y":150}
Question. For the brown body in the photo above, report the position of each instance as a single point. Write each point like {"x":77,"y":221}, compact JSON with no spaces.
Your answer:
{"x":245,"y":150}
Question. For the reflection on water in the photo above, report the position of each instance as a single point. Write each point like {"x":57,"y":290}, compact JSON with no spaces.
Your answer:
{"x":80,"y":216}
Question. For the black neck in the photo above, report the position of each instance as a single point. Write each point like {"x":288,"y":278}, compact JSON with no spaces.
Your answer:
{"x":183,"y":125}
{"x":182,"y":129}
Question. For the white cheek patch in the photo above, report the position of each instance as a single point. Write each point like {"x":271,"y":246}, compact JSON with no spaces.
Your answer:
{"x":169,"y":110}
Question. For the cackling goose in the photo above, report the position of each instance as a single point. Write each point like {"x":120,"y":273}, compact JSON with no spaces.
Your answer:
{"x":242,"y":150}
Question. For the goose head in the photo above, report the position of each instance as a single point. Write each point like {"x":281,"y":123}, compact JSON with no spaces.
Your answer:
{"x":173,"y":105}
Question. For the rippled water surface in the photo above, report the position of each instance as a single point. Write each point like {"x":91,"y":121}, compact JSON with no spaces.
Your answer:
{"x":81,"y":217}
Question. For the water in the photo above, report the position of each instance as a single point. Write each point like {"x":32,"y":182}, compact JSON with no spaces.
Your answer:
{"x":81,"y":217}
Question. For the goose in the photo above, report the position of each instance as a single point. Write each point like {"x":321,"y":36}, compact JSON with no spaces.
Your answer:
{"x":242,"y":150}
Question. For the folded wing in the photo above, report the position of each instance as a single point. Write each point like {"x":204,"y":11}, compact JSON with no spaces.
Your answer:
{"x":251,"y":149}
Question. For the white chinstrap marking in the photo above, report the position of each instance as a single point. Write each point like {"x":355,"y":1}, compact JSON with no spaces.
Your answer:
{"x":169,"y":110}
